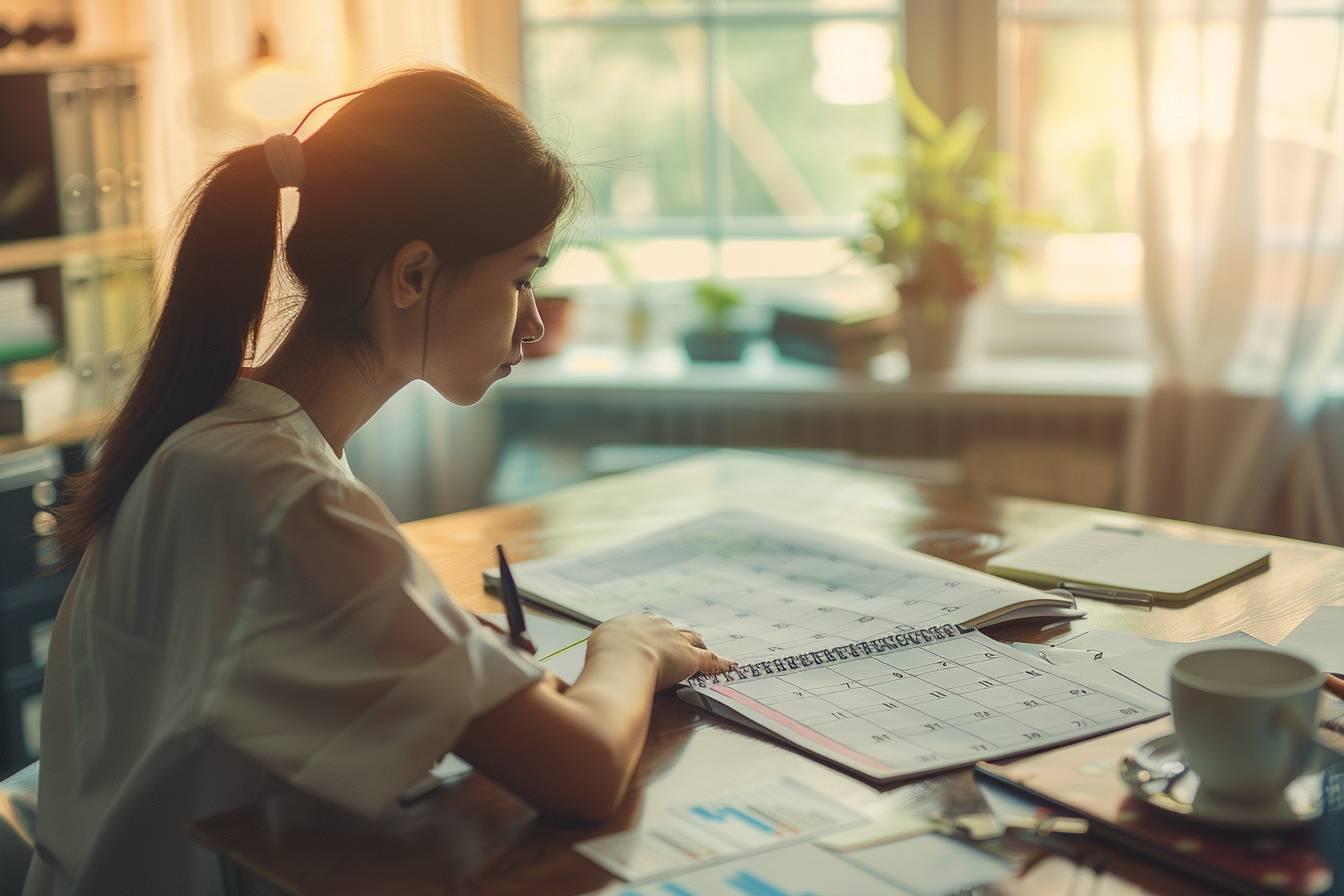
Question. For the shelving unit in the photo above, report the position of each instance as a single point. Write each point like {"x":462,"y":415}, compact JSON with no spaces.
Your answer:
{"x":27,"y":255}
{"x":20,"y":60}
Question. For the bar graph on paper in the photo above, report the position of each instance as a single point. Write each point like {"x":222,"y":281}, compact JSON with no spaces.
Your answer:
{"x":711,"y":830}
{"x":743,"y":882}
{"x":801,"y":870}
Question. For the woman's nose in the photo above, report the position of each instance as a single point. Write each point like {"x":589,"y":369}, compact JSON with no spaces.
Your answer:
{"x":530,"y":327}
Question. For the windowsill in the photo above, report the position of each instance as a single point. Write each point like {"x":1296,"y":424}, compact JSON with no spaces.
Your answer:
{"x":664,"y":370}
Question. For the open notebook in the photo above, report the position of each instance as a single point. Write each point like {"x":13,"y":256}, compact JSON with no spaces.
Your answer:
{"x":756,"y":587}
{"x":1174,"y":569}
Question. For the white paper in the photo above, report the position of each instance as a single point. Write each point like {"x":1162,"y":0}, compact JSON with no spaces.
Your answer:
{"x":930,"y":865}
{"x":718,"y":828}
{"x":919,"y":709}
{"x":1320,"y":638}
{"x":1148,"y":668}
{"x":801,"y":869}
{"x":754,"y":587}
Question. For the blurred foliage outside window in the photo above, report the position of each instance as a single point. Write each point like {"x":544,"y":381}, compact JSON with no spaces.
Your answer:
{"x":719,"y":138}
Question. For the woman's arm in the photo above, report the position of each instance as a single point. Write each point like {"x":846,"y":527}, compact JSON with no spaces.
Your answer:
{"x":574,"y":753}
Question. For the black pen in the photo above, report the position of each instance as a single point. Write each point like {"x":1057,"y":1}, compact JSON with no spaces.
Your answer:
{"x":513,"y":607}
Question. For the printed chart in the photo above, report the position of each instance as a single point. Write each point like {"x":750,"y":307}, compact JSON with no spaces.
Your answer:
{"x":749,"y":820}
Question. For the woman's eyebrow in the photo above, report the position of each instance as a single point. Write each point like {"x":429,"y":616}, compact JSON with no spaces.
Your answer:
{"x":540,"y":260}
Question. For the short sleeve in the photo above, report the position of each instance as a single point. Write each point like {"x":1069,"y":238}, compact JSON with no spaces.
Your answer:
{"x":349,"y":670}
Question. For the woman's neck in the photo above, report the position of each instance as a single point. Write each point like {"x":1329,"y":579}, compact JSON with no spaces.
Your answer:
{"x":336,"y":391}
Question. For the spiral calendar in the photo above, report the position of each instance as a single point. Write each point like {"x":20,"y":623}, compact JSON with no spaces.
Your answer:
{"x":915,"y":702}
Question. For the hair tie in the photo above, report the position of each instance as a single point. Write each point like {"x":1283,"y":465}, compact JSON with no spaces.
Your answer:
{"x":284,"y":156}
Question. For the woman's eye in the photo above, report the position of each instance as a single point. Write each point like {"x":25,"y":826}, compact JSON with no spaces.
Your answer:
{"x":521,"y":285}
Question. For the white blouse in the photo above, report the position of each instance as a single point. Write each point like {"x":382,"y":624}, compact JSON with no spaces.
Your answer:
{"x":252,"y":616}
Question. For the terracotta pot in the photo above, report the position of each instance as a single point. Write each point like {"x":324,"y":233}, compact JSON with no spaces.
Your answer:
{"x":934,"y":330}
{"x":555,"y":314}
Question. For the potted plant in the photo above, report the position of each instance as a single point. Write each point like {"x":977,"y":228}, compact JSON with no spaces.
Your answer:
{"x":715,"y":339}
{"x":943,"y":223}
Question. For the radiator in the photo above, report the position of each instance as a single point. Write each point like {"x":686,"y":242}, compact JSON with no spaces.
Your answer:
{"x":1064,"y":448}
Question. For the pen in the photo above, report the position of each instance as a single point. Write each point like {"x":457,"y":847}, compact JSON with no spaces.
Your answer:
{"x":1115,"y":595}
{"x":513,"y":607}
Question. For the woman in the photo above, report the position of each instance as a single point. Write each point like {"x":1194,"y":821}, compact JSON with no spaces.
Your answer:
{"x":245,"y":614}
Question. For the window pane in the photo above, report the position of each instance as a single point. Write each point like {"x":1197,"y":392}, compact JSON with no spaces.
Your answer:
{"x":791,"y":134}
{"x":626,"y":104}
{"x":1069,"y":116}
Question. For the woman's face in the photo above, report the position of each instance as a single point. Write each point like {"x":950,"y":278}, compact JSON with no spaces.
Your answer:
{"x":478,"y":324}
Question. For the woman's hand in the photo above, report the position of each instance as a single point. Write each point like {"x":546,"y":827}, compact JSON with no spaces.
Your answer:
{"x":679,"y":653}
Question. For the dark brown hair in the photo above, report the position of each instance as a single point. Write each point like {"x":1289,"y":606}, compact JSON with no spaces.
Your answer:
{"x":426,"y":154}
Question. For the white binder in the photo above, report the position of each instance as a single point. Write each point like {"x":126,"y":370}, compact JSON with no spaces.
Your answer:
{"x":73,"y":150}
{"x":105,"y":130}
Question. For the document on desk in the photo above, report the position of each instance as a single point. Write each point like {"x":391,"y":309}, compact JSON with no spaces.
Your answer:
{"x":1139,"y":661}
{"x":1320,"y":638}
{"x":755,"y":587}
{"x":713,"y":830}
{"x":931,"y":865}
{"x":917,"y":702}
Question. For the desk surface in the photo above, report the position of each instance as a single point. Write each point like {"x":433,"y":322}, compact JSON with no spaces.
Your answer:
{"x":476,"y":837}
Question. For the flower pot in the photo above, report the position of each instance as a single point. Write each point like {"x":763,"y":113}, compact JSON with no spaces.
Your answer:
{"x":934,"y":330}
{"x":555,"y":314}
{"x":715,"y":345}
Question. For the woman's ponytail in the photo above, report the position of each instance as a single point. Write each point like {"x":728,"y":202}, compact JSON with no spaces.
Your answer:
{"x":425,"y":154}
{"x":215,"y":302}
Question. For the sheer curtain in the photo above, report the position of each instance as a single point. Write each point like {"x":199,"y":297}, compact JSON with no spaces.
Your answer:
{"x":422,"y":455}
{"x":1242,"y":189}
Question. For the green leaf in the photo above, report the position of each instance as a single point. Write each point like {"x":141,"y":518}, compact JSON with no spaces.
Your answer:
{"x":954,"y":149}
{"x":924,"y":120}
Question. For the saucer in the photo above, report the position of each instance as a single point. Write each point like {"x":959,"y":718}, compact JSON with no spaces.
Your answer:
{"x":1156,"y":773}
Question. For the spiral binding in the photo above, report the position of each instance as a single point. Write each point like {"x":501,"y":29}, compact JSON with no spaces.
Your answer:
{"x":853,"y":651}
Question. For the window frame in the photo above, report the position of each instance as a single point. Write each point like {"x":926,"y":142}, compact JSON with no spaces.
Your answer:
{"x":951,"y":51}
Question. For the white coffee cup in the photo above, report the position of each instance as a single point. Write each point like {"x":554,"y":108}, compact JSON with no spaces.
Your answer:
{"x":1245,"y":719}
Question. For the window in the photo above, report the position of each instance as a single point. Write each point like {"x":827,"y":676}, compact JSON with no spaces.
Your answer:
{"x":717,"y":136}
{"x":757,"y":109}
{"x":1076,"y":139}
{"x":1075,"y":143}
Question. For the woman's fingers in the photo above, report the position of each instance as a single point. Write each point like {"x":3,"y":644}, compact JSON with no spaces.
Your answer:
{"x":713,"y":664}
{"x":695,"y":639}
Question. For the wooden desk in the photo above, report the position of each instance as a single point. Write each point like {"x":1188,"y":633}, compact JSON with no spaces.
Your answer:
{"x":475,"y":837}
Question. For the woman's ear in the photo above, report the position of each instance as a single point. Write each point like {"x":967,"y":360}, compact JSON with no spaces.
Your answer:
{"x":413,"y":270}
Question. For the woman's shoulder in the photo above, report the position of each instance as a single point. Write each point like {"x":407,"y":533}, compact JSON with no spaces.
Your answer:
{"x":239,"y":467}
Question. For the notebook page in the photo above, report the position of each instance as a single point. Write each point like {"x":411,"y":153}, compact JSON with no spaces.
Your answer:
{"x":755,"y":587}
{"x":1141,"y":561}
{"x":929,"y":706}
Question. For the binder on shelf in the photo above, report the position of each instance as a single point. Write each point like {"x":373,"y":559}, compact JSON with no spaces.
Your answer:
{"x":72,"y":150}
{"x":105,"y":130}
{"x":132,"y":164}
{"x":123,"y":288}
{"x":84,"y":331}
